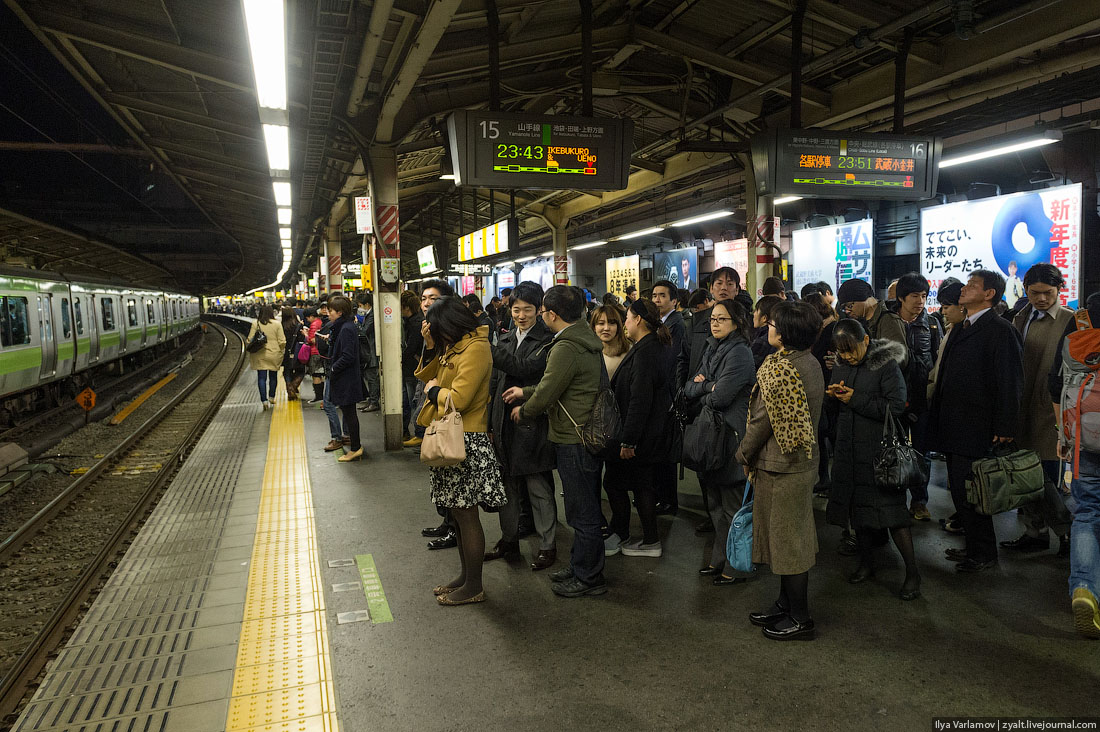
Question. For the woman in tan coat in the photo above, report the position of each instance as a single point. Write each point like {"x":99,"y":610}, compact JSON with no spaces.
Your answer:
{"x":779,"y":452}
{"x":267,"y":361}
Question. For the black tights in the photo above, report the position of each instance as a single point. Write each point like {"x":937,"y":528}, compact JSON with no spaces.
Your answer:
{"x":351,"y":425}
{"x":794,"y":596}
{"x":903,"y":540}
{"x":471,"y":552}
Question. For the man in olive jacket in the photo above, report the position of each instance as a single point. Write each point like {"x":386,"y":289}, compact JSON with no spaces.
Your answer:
{"x":566,"y":394}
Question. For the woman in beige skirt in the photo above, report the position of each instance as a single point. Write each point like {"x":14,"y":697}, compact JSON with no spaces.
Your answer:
{"x":779,"y":452}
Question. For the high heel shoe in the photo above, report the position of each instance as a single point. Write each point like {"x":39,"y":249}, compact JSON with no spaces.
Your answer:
{"x":348,"y":457}
{"x":910,"y":589}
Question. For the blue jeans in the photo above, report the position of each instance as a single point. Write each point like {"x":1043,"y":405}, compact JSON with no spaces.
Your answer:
{"x":408,"y":399}
{"x":579,"y":471}
{"x":1084,"y":535}
{"x":333,"y":413}
{"x":268,"y":381}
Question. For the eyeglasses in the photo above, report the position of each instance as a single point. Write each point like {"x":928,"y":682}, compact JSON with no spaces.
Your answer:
{"x":715,"y":319}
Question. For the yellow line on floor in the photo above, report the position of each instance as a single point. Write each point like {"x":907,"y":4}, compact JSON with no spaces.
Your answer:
{"x":283,"y":679}
{"x":129,"y":408}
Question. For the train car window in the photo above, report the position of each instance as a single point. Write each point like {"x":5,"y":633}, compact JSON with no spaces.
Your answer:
{"x":79,"y":317}
{"x":150,"y":312}
{"x":131,"y":312}
{"x":108,"y":305}
{"x":14,"y":330}
{"x":66,"y":319}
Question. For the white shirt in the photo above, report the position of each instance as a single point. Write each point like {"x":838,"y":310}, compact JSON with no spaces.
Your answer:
{"x":665,"y":316}
{"x":520,"y":335}
{"x":1036,"y":314}
{"x":974,"y":318}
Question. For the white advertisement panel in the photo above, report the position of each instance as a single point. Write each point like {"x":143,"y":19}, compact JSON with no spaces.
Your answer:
{"x":1007,"y":234}
{"x":363,"y":222}
{"x":833,"y":254}
{"x":426,"y":258}
{"x":733,"y":253}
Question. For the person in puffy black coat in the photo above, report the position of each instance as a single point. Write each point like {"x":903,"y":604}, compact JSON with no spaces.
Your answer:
{"x":725,"y":379}
{"x":344,"y":372}
{"x":867,"y":382}
{"x":647,"y":431}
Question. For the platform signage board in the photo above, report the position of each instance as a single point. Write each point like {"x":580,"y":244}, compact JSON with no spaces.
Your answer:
{"x":363,"y":222}
{"x":833,"y":254}
{"x":1007,"y":234}
{"x":834,"y":164}
{"x":495,"y":239}
{"x":425,"y":256}
{"x":506,"y":150}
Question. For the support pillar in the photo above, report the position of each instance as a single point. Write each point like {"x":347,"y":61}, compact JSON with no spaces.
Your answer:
{"x":758,"y":211}
{"x":561,"y":258}
{"x":387,"y":294}
{"x":335,"y":279}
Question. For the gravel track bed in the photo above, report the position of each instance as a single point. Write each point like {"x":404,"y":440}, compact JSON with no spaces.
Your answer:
{"x":37,"y":579}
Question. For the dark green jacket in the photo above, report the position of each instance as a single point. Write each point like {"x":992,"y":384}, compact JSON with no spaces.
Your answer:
{"x":572,"y":377}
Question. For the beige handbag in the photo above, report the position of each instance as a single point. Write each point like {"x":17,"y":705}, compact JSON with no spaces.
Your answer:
{"x":443,"y":439}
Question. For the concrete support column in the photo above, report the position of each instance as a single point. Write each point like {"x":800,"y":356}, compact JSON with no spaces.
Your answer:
{"x":387,"y":295}
{"x":561,"y":258}
{"x":335,"y":278}
{"x":759,"y":254}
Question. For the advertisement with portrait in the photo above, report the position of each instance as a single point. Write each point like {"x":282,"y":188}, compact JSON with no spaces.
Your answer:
{"x":540,"y":271}
{"x":621,"y":273}
{"x":505,"y":278}
{"x":1006,"y":234}
{"x":832,"y":254}
{"x":680,"y":267}
{"x":733,"y":253}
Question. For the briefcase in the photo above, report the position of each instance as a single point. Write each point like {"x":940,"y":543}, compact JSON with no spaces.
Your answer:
{"x":1003,"y":482}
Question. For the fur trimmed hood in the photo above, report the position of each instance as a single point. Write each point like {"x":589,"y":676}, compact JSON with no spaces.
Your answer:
{"x":882,"y":351}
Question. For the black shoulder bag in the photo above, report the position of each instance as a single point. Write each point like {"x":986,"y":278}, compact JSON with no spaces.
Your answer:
{"x":898,"y":466}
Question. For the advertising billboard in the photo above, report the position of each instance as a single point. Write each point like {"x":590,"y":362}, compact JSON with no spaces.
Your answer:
{"x":1007,"y":234}
{"x":539,"y":271}
{"x":833,"y":254}
{"x":426,"y":258}
{"x":680,"y":267}
{"x":733,"y":253}
{"x":621,"y":273}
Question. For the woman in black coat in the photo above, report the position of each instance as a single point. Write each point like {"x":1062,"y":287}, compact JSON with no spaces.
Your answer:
{"x":867,"y":382}
{"x":726,"y":376}
{"x":344,"y":372}
{"x":293,"y":369}
{"x":642,"y":395}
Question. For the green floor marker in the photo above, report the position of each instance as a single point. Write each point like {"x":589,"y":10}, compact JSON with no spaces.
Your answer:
{"x":372,"y":588}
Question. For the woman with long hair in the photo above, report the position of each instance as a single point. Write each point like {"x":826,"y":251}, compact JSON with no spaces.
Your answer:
{"x":457,"y":376}
{"x":345,"y":376}
{"x":644,"y":402}
{"x":293,"y":369}
{"x":607,"y":323}
{"x":726,"y":375}
{"x":779,"y":453}
{"x":315,"y":367}
{"x":266,"y":361}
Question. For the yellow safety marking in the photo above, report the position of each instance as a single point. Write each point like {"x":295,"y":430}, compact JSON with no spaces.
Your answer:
{"x":283,"y":679}
{"x":129,"y":408}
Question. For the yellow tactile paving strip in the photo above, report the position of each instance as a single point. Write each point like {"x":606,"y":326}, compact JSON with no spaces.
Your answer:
{"x":283,"y":679}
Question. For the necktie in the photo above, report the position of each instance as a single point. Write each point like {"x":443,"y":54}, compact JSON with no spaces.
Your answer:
{"x":966,"y":323}
{"x":1035,"y":315}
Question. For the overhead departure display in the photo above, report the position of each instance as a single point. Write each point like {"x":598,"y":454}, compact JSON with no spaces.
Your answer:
{"x":503,"y":150}
{"x":830,"y":164}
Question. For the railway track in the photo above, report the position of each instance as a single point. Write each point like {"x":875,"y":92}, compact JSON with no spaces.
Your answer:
{"x":53,"y":562}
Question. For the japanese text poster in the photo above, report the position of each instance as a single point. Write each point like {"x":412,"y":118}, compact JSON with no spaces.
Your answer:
{"x":621,"y":273}
{"x":733,"y":253}
{"x":1007,"y":234}
{"x":833,"y":254}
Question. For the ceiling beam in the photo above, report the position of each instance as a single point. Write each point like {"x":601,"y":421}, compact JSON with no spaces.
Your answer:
{"x":184,"y":60}
{"x":235,"y":184}
{"x":208,"y":156}
{"x":178,"y":115}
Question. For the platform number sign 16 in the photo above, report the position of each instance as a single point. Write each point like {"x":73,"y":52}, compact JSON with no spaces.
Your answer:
{"x":917,"y":149}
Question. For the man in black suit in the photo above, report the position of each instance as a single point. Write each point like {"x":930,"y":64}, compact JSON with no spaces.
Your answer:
{"x":976,"y":405}
{"x":665,"y":296}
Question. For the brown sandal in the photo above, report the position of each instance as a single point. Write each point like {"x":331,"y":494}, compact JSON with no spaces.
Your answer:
{"x":446,"y":599}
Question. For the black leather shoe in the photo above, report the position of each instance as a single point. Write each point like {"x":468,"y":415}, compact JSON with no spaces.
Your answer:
{"x":972,"y":565}
{"x":1028,"y":544}
{"x":955,"y":555}
{"x":434,"y":531}
{"x":722,"y":580}
{"x":666,"y":509}
{"x":774,"y":615}
{"x":848,"y":546}
{"x":562,"y":575}
{"x":862,"y":574}
{"x":503,"y":550}
{"x":544,"y":560}
{"x":709,"y":571}
{"x":704,"y":527}
{"x":789,"y":629}
{"x":447,"y":541}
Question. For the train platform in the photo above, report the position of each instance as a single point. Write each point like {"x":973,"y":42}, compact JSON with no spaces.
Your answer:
{"x":275,"y":588}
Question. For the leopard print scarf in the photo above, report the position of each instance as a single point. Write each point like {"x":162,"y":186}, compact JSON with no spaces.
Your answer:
{"x":784,"y":396}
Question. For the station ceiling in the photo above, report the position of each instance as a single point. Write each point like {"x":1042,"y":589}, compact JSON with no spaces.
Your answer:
{"x":130,"y":142}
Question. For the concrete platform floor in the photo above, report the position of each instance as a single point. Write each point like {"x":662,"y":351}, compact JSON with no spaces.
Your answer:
{"x":664,"y":649}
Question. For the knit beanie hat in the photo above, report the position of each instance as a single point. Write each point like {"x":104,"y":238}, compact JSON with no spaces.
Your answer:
{"x":854,"y":290}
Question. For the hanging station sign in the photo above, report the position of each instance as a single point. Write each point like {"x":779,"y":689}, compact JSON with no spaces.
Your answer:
{"x":832,"y":254}
{"x":833,"y":164}
{"x":426,"y":258}
{"x":495,"y":239}
{"x":503,"y":150}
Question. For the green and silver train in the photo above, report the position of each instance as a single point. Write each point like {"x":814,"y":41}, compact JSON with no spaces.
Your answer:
{"x":57,"y":334}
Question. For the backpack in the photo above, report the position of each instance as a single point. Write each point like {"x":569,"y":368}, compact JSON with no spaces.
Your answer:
{"x":604,"y":425}
{"x":1079,"y":405}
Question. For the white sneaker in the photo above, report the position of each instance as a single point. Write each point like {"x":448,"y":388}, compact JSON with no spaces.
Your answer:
{"x":266,"y":405}
{"x":638,"y":549}
{"x":612,"y":545}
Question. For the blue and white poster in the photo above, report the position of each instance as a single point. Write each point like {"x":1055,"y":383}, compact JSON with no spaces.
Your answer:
{"x":1007,"y":234}
{"x":833,"y":254}
{"x":680,"y":267}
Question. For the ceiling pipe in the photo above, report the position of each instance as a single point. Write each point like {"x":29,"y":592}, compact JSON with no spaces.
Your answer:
{"x":376,"y":26}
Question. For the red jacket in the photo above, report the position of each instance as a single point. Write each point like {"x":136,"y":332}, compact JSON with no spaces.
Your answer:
{"x":314,"y":326}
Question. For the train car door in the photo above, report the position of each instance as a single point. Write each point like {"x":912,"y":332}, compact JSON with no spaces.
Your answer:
{"x":90,"y":322}
{"x":49,"y":343}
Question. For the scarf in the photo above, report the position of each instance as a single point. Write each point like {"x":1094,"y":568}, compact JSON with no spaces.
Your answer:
{"x":784,"y":396}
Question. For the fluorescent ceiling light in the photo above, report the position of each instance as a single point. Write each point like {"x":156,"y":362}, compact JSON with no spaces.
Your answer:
{"x":503,"y":264}
{"x":993,"y":152}
{"x":703,"y":217}
{"x":636,"y":234}
{"x":448,"y":176}
{"x":282,"y":192}
{"x":785,"y":199}
{"x":277,"y":140}
{"x":525,"y":259}
{"x":284,"y":232}
{"x":547,"y":254}
{"x":589,"y":245}
{"x":285,"y":216}
{"x":266,"y":24}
